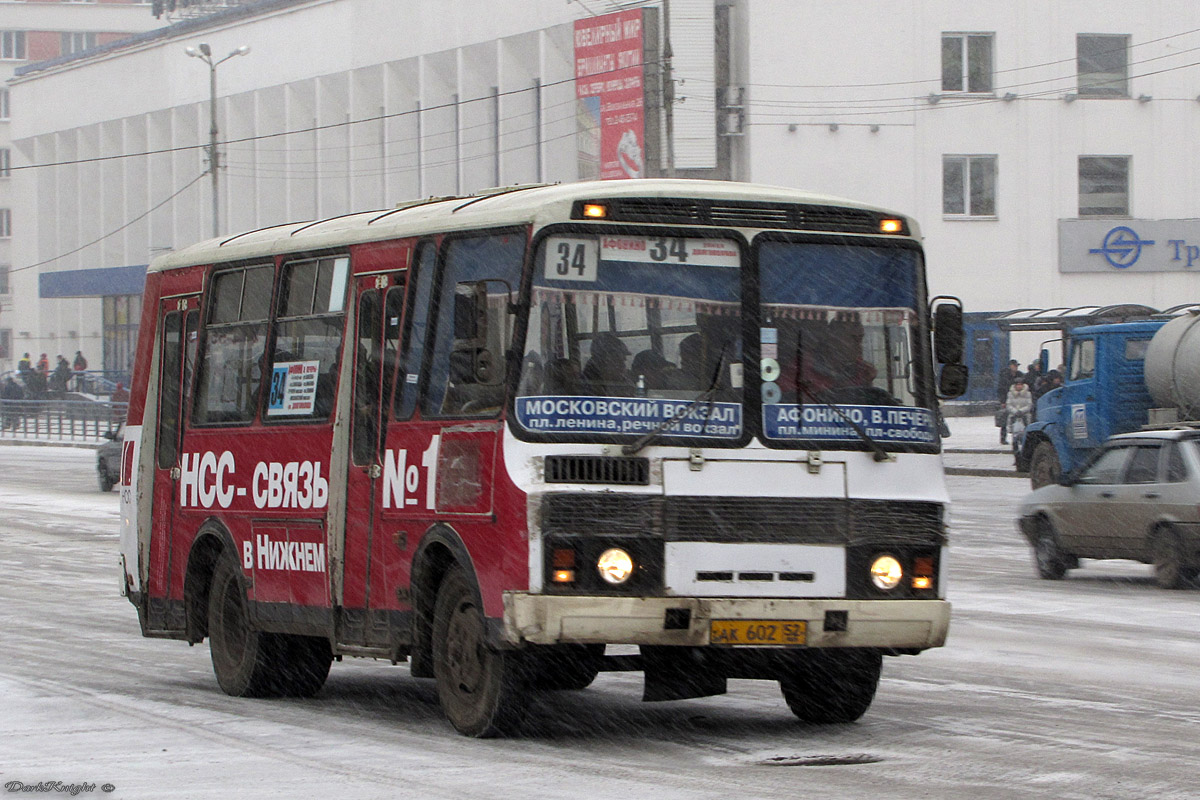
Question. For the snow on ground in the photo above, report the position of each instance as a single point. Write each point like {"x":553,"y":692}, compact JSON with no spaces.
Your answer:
{"x":1074,"y":689}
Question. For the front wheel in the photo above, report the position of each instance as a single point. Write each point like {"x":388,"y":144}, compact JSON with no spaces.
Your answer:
{"x":482,"y":690}
{"x":1047,"y":556}
{"x":833,"y":686}
{"x":1044,"y":467}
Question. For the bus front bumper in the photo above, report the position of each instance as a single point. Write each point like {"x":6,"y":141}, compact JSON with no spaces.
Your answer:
{"x":906,"y":625}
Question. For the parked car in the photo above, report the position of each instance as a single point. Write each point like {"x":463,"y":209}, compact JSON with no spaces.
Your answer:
{"x":1136,"y":497}
{"x":108,"y":459}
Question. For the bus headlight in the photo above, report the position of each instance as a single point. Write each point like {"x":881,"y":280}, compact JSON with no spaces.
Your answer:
{"x":615,"y":565}
{"x":886,"y":573}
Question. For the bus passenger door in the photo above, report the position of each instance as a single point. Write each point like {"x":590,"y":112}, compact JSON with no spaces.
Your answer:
{"x":178,"y":323}
{"x":367,"y":590}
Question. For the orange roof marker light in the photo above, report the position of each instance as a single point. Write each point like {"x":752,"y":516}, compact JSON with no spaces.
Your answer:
{"x":595,"y":211}
{"x":891,"y":226}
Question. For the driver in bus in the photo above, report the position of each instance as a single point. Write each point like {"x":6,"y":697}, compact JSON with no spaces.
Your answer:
{"x":605,"y":373}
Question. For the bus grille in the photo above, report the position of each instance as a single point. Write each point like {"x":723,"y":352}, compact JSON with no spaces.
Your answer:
{"x":598,"y":469}
{"x":751,"y":519}
{"x":790,"y":216}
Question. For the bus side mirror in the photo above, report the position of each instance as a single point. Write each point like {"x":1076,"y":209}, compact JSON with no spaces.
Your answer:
{"x":471,"y":362}
{"x":953,"y":381}
{"x":1044,"y":360}
{"x":947,"y":330}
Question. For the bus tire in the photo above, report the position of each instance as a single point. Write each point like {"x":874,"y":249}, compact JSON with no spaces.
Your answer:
{"x":1048,"y":557}
{"x":567,"y":667}
{"x":1044,"y":467}
{"x":1170,"y":569}
{"x":243,"y":658}
{"x":481,"y":689}
{"x":833,"y":686}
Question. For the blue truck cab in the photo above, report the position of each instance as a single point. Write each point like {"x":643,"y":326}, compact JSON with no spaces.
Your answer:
{"x":1103,"y":393}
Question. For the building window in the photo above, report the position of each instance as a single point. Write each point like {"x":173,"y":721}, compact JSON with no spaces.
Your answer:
{"x":1103,"y":65}
{"x":12,"y":45}
{"x":969,"y":186}
{"x":5,"y":223}
{"x":967,"y":62}
{"x":3,"y":103}
{"x":78,"y":42}
{"x":120,"y":320}
{"x":4,"y":287}
{"x":5,"y":162}
{"x":1104,"y":186}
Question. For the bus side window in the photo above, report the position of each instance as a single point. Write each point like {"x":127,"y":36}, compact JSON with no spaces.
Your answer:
{"x":416,"y":325}
{"x":308,"y":340}
{"x":230,"y":373}
{"x":168,"y":392}
{"x":496,"y":259}
{"x":366,"y":377}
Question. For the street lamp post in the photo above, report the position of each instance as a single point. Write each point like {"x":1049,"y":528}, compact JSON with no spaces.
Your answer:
{"x":203,"y":52}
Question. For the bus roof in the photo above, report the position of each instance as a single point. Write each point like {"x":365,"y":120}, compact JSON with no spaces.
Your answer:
{"x":513,"y":205}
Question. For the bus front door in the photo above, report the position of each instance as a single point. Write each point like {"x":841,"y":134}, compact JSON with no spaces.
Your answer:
{"x":178,"y":322}
{"x":369,"y":602}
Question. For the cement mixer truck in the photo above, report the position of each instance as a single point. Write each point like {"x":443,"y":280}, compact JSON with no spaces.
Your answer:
{"x":1120,"y":377}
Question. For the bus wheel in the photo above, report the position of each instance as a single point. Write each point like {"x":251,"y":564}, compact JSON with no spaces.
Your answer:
{"x":567,"y":667}
{"x":833,"y":686}
{"x":1044,"y":468}
{"x":1170,"y":571}
{"x":242,"y":657}
{"x":481,"y":690}
{"x":1047,"y":555}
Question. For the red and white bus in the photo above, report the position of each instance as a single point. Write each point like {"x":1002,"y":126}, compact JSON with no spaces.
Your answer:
{"x":491,"y":435}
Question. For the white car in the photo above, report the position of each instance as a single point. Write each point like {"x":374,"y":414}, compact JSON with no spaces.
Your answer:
{"x":1137,"y":497}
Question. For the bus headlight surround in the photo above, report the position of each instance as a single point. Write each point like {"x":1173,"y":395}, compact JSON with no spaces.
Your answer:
{"x":886,"y":573}
{"x":615,"y":565}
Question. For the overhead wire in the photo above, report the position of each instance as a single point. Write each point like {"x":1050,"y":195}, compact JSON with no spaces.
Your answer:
{"x":115,"y":231}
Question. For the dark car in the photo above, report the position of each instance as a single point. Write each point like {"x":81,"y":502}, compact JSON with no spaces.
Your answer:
{"x":1137,"y":497}
{"x":108,"y":459}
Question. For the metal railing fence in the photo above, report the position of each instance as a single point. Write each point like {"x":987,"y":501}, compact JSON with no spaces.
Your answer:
{"x":60,"y":420}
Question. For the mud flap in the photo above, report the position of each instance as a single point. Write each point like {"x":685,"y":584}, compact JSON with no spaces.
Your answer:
{"x":680,"y":673}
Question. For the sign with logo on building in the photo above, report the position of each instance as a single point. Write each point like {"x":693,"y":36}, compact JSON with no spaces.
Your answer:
{"x":1129,"y":245}
{"x":611,"y":99}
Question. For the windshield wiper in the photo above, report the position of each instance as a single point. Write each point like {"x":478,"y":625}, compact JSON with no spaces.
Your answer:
{"x":801,"y":392}
{"x":879,"y":453}
{"x":634,"y":447}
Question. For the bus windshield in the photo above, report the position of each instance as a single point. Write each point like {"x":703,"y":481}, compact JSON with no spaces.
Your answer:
{"x":839,"y":326}
{"x":627,"y":332}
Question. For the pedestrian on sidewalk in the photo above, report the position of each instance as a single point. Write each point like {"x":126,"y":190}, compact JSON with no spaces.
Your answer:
{"x":1003,"y":383}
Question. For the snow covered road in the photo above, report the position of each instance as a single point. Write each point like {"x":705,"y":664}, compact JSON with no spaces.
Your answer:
{"x":1084,"y":688}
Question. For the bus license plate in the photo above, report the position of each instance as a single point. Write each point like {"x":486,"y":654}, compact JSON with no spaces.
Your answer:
{"x":757,"y":632}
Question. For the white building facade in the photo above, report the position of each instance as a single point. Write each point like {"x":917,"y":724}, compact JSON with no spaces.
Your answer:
{"x":35,"y":31}
{"x":1047,"y":149}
